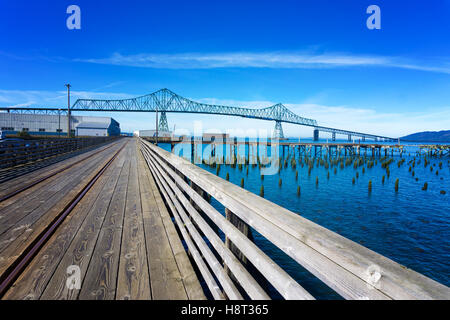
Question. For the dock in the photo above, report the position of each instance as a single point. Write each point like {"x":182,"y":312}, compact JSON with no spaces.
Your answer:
{"x":128,"y":220}
{"x":254,"y":148}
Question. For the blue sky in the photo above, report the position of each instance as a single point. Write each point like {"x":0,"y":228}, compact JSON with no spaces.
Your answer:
{"x":316,"y":57}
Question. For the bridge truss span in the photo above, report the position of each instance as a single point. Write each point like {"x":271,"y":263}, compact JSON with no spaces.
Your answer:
{"x":164,"y":101}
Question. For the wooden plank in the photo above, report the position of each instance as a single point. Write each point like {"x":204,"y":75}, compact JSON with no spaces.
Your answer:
{"x":16,"y":183}
{"x":29,"y":178}
{"x":26,"y":202}
{"x":165,"y":278}
{"x":37,"y":221}
{"x":12,"y":173}
{"x":190,"y":279}
{"x":101,"y":278}
{"x":133,"y":279}
{"x":274,"y":274}
{"x":80,"y":251}
{"x":36,"y":203}
{"x":191,"y":235}
{"x":247,"y":282}
{"x":36,"y":151}
{"x":34,"y":279}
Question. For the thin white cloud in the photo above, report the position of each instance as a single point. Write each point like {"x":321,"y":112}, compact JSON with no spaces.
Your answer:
{"x":262,"y":60}
{"x":21,"y":105}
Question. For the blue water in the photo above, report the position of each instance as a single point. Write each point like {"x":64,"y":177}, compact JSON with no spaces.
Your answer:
{"x":410,"y":226}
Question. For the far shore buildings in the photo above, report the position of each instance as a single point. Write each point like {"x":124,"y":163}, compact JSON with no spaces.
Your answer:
{"x":210,"y":137}
{"x":152,"y":133}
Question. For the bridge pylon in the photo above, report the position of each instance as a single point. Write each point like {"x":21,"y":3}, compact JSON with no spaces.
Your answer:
{"x":278,"y":131}
{"x":316,"y":134}
{"x":163,"y":124}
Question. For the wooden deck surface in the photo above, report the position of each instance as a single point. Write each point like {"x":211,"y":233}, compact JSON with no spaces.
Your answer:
{"x":120,"y":236}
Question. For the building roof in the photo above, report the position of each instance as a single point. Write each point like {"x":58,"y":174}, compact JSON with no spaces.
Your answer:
{"x":93,"y":125}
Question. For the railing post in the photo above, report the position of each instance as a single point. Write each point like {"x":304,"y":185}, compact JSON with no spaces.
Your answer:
{"x":245,"y":229}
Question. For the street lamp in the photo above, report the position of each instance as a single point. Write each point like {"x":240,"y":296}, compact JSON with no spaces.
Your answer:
{"x":59,"y":122}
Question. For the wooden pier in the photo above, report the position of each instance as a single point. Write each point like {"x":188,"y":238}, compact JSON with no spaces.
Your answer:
{"x":129,"y":220}
{"x":120,"y":235}
{"x":253,"y":149}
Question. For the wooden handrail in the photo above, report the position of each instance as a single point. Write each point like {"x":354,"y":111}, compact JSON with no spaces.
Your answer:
{"x":350,"y":269}
{"x":193,"y":235}
{"x":277,"y":276}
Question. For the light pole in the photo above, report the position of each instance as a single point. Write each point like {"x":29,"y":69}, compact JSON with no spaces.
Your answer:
{"x":59,"y":122}
{"x":68,"y":109}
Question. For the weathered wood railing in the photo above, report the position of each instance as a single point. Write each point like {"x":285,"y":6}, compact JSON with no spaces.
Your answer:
{"x":13,"y":153}
{"x":350,"y":269}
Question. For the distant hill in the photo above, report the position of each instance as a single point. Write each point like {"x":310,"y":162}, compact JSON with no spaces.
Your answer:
{"x":429,"y":136}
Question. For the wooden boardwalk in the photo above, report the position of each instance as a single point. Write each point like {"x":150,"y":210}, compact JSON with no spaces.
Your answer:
{"x":107,"y":224}
{"x":119,"y":236}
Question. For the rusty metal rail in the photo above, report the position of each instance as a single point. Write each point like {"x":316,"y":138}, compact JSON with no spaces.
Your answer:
{"x":37,"y":181}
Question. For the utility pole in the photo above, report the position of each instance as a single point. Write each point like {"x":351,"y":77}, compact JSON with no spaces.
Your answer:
{"x":68,"y":110}
{"x":59,"y":122}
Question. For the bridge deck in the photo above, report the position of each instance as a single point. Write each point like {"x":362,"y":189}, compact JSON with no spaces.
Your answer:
{"x":119,"y":236}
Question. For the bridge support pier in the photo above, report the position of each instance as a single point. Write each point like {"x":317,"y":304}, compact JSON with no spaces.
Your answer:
{"x":349,"y":138}
{"x":163,"y":124}
{"x":333,"y":136}
{"x":278,"y":132}
{"x":363,"y":138}
{"x":316,"y":135}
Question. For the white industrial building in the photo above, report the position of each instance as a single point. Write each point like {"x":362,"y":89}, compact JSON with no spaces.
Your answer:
{"x":54,"y":125}
{"x":98,"y":129}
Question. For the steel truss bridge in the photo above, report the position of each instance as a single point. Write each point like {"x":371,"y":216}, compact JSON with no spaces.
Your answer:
{"x":164,"y":101}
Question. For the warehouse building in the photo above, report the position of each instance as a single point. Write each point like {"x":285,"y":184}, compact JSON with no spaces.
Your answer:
{"x":55,"y":125}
